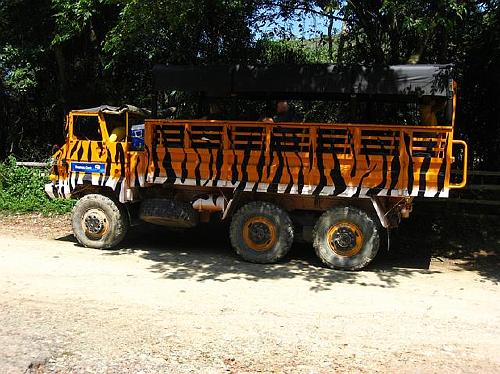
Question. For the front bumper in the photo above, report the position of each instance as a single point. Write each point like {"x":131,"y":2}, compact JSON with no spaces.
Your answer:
{"x":51,"y":190}
{"x":58,"y":190}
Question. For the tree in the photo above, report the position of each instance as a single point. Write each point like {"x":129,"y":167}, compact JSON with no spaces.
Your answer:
{"x":465,"y":33}
{"x":77,"y":53}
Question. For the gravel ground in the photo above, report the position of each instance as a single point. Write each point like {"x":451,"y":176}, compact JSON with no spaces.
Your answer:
{"x":183,"y":302}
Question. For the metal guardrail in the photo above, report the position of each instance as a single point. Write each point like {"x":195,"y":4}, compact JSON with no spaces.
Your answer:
{"x":33,"y":164}
{"x":482,"y":180}
{"x":485,"y":181}
{"x":482,"y":189}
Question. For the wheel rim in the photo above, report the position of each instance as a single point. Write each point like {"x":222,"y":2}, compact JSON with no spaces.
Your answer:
{"x":95,"y":223}
{"x":259,"y":233}
{"x":345,"y":239}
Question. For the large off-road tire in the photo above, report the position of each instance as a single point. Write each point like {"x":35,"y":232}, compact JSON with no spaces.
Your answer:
{"x":346,"y":238}
{"x":99,"y":222}
{"x":261,"y":232}
{"x":168,"y":212}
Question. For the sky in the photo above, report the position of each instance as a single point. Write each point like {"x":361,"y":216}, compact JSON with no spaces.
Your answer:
{"x":312,"y":26}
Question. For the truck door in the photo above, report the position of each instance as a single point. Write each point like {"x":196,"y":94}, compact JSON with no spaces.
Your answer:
{"x":87,"y":154}
{"x":116,"y":147}
{"x":97,"y":148}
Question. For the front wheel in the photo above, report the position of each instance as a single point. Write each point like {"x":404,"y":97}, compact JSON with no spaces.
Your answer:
{"x":261,"y":232}
{"x":99,"y":222}
{"x":346,"y":238}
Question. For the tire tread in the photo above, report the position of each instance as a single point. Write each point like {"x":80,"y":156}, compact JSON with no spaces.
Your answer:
{"x":321,"y":253}
{"x":118,"y":218}
{"x":266,"y":208}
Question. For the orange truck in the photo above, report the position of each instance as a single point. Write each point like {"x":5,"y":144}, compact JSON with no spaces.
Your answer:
{"x":339,"y":185}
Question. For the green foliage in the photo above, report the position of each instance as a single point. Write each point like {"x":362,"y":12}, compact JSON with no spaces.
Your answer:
{"x":292,"y":51}
{"x":72,"y":17}
{"x":20,"y":75}
{"x":57,"y":55}
{"x":172,"y":31}
{"x":22,"y":190}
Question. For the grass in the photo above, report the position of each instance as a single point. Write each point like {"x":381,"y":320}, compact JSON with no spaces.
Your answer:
{"x":22,"y":190}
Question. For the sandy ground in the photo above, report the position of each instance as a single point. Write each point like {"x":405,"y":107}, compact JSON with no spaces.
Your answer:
{"x":183,"y":302}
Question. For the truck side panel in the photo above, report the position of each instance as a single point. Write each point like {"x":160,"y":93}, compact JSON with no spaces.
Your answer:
{"x":313,"y":159}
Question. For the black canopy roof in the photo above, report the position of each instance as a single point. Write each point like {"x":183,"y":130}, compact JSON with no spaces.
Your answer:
{"x":305,"y":80}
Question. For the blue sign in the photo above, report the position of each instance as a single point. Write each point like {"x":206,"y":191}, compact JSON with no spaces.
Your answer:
{"x":137,"y":136}
{"x":88,"y":167}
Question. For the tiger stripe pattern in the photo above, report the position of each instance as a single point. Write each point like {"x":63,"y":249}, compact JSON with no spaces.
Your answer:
{"x":287,"y":158}
{"x":311,"y":159}
{"x":114,"y":175}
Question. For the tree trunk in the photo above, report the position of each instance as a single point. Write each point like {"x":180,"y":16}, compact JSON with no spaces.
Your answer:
{"x":330,"y":39}
{"x":61,"y":71}
{"x":369,"y":23}
{"x":343,"y":33}
{"x":4,"y":123}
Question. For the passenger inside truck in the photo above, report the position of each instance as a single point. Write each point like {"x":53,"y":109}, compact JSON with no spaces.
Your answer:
{"x":215,"y":112}
{"x":116,"y":126}
{"x":283,"y":113}
{"x":431,"y":111}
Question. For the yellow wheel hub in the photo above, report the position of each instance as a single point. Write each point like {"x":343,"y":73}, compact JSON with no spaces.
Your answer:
{"x":95,"y":223}
{"x":260,"y":233}
{"x":345,"y":239}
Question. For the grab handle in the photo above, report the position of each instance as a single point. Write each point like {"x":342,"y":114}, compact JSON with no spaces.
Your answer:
{"x":464,"y":175}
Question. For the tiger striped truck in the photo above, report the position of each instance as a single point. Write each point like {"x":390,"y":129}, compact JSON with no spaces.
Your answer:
{"x":338,"y":184}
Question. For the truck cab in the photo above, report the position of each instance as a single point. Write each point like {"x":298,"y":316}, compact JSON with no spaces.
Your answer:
{"x":97,"y":151}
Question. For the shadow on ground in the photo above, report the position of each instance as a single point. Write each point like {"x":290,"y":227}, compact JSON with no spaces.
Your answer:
{"x":205,"y":254}
{"x":469,"y":235}
{"x":465,"y":240}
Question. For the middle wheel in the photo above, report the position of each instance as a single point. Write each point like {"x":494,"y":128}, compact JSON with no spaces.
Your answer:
{"x":261,"y":232}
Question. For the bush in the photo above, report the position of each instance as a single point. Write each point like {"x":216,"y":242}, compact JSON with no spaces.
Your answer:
{"x":22,"y":190}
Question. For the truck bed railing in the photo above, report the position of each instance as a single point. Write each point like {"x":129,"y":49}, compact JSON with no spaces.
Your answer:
{"x":364,"y":159}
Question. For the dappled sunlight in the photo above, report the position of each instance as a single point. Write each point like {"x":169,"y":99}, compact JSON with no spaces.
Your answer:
{"x":205,"y":254}
{"x":468,"y":238}
{"x":444,"y":241}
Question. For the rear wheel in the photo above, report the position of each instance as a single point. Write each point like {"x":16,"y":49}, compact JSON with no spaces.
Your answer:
{"x":99,"y":222}
{"x":261,"y":232}
{"x":346,"y":238}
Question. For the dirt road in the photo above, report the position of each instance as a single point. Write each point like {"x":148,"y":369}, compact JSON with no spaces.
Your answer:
{"x":171,"y":302}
